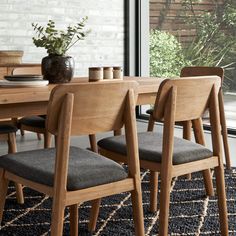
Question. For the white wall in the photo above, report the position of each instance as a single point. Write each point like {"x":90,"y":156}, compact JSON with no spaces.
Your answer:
{"x":104,"y":45}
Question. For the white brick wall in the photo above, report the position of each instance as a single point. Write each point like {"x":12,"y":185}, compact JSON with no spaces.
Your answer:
{"x":104,"y":45}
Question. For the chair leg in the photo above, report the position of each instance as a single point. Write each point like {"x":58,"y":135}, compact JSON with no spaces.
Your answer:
{"x":22,"y":132}
{"x":74,"y":220}
{"x":3,"y":193}
{"x":94,"y":214}
{"x":164,"y":204}
{"x":136,"y":197}
{"x":12,"y":149}
{"x":187,"y":129}
{"x":226,"y":147}
{"x":12,"y":143}
{"x":47,"y":140}
{"x":57,"y":218}
{"x":199,"y":137}
{"x":208,"y":183}
{"x":220,"y":188}
{"x":153,"y":191}
{"x":151,"y":123}
{"x":93,"y":143}
{"x":95,"y":203}
{"x":39,"y":136}
{"x":19,"y":193}
{"x":117,"y":132}
{"x":224,"y":130}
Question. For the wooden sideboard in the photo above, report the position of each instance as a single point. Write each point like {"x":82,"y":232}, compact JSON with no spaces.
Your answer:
{"x":8,"y":68}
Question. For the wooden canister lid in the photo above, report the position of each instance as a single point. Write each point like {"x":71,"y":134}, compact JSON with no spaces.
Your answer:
{"x":107,"y":68}
{"x":95,"y":68}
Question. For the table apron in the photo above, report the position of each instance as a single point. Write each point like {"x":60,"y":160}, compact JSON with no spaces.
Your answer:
{"x":40,"y":108}
{"x":23,"y":109}
{"x":146,"y":98}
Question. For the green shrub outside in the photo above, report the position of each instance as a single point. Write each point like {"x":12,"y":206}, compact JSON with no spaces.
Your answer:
{"x":214,"y":44}
{"x":166,"y":54}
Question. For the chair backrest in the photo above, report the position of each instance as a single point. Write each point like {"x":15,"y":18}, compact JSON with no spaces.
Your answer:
{"x":202,"y":71}
{"x":88,"y":108}
{"x":190,"y":97}
{"x":98,"y":107}
{"x":36,"y":70}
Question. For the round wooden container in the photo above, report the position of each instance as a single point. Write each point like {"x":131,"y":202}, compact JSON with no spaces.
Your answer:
{"x":95,"y":74}
{"x":10,"y":57}
{"x":107,"y":72}
{"x":117,"y":72}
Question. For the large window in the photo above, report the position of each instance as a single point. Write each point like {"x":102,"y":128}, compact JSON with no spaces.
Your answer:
{"x":199,"y":32}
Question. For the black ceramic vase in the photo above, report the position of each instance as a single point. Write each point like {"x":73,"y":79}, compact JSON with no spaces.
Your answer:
{"x":58,"y":69}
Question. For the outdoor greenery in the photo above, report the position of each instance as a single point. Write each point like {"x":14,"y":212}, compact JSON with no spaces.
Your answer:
{"x":214,"y":44}
{"x":215,"y":41}
{"x":58,"y":42}
{"x":166,"y":54}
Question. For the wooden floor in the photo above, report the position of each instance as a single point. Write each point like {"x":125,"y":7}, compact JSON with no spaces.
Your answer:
{"x":30,"y":142}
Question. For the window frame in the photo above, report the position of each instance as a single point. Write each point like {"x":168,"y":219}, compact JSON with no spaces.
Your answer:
{"x":136,"y":43}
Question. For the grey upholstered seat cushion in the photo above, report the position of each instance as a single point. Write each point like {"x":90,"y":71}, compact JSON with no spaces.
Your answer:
{"x":34,"y":121}
{"x":149,"y":111}
{"x":6,"y":129}
{"x":86,"y":169}
{"x":150,"y":148}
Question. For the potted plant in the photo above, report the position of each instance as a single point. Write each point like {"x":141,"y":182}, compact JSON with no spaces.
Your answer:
{"x":57,"y":67}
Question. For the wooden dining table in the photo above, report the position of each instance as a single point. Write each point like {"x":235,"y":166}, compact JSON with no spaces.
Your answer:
{"x":25,"y":101}
{"x":18,"y":102}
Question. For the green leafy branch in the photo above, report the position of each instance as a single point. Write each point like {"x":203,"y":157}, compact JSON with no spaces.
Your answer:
{"x":58,"y":42}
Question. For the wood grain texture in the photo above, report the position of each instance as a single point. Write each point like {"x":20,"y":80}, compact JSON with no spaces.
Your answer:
{"x":174,"y":102}
{"x":67,"y":106}
{"x":185,"y":109}
{"x":104,"y":117}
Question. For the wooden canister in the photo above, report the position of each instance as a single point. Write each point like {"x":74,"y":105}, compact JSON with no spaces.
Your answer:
{"x":107,"y":72}
{"x":117,"y":72}
{"x":95,"y":74}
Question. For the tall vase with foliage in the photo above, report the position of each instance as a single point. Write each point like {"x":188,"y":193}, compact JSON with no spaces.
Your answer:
{"x":57,"y":67}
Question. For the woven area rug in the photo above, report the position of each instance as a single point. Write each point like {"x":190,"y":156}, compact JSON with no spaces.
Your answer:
{"x":191,"y":212}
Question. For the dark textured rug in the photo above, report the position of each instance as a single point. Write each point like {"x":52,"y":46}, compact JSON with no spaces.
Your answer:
{"x":191,"y":212}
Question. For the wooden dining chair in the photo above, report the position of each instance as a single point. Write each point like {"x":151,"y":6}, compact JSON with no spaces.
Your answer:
{"x":188,"y":125}
{"x":177,"y":101}
{"x":77,"y":175}
{"x":8,"y":134}
{"x":204,"y":71}
{"x":33,"y":123}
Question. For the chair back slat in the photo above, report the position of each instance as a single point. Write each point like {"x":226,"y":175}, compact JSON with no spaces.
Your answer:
{"x":202,"y":71}
{"x":36,"y":70}
{"x":98,"y":106}
{"x":192,"y":96}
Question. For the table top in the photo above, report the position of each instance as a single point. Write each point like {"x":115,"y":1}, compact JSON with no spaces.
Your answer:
{"x":38,"y":94}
